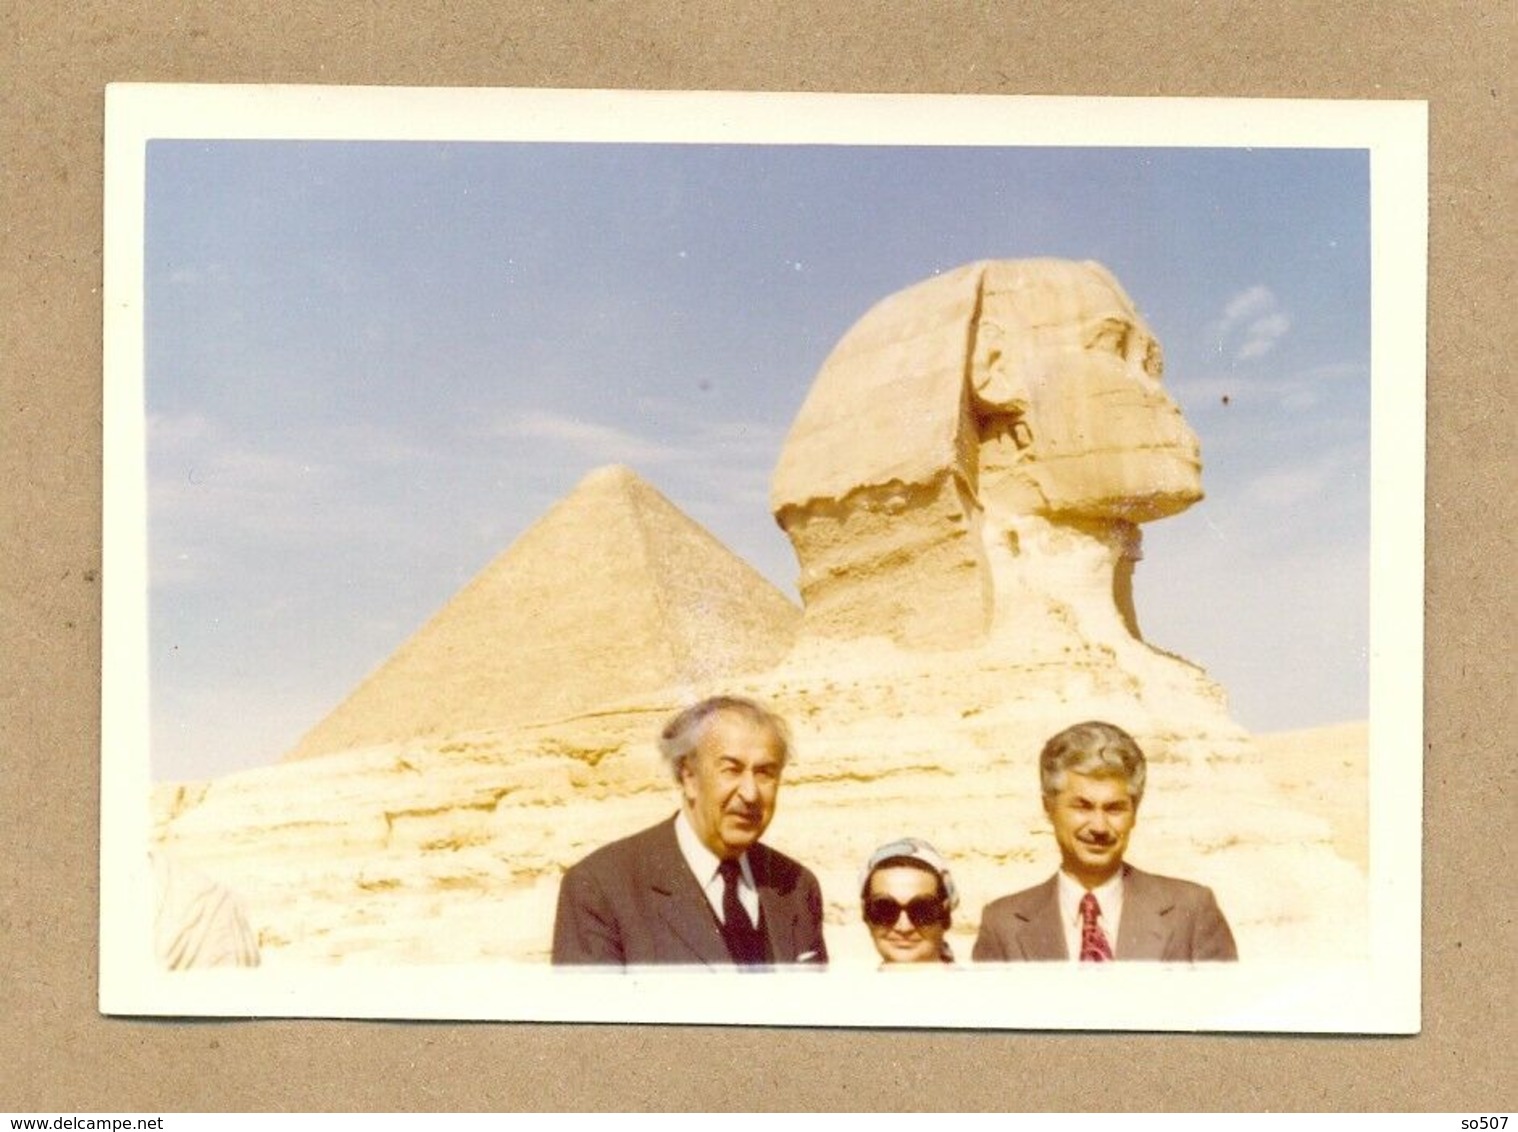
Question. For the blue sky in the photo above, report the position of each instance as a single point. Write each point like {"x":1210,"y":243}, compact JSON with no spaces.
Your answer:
{"x":369,"y":366}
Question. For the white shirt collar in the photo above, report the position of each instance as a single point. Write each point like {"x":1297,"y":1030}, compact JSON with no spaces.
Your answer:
{"x":1109,"y":896}
{"x":704,"y":865}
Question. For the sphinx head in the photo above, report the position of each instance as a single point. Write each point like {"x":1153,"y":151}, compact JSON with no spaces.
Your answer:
{"x":1066,"y":401}
{"x":984,"y":401}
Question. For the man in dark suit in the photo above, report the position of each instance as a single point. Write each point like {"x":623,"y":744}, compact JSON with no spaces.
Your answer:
{"x":1097,"y":907}
{"x":699,"y":888}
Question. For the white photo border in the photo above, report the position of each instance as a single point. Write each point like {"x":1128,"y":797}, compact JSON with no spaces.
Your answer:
{"x":1378,"y":995}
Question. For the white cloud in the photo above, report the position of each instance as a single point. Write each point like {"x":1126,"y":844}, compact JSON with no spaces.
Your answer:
{"x":1251,"y":324}
{"x":1300,"y":400}
{"x":717,"y":470}
{"x":171,"y":429}
{"x":1334,"y":371}
{"x":1294,"y":392}
{"x":1282,"y":488}
{"x":604,"y":444}
{"x":1262,"y":335}
{"x":1286,"y":487}
{"x":215,"y":496}
{"x":1246,"y":305}
{"x":369,"y":445}
{"x":719,"y":451}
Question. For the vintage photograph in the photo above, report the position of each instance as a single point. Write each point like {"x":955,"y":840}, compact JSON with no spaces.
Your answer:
{"x":572,"y":554}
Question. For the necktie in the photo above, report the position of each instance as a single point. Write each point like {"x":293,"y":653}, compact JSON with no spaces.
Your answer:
{"x":1094,"y":945}
{"x":745,"y":943}
{"x":732,"y":908}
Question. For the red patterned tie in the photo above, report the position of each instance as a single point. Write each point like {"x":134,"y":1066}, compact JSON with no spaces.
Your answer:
{"x":1094,"y":945}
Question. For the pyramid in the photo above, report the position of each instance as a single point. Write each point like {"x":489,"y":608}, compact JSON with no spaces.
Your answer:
{"x":613,"y":592}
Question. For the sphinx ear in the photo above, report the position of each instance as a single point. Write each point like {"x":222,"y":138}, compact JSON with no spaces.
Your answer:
{"x":998,"y":369}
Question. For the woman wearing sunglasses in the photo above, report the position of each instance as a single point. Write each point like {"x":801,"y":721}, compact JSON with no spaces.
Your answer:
{"x":908,"y":897}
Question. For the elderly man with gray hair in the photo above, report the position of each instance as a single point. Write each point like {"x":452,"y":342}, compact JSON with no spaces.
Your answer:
{"x":1096,"y":907}
{"x":699,"y":888}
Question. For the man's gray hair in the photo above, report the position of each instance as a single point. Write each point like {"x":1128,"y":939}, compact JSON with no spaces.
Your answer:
{"x":1096,"y":749}
{"x":682,"y":734}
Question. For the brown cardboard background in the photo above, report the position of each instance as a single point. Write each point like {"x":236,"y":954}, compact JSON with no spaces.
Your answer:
{"x":58,"y":1055}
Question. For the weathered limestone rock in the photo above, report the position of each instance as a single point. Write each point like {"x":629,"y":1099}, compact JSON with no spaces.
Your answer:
{"x":439,"y":851}
{"x":614,"y":591}
{"x":949,"y":415}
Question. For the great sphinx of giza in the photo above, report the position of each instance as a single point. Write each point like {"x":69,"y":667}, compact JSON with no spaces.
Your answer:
{"x":975,"y":458}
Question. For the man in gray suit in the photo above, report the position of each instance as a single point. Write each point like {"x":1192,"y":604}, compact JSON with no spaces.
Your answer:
{"x":699,"y":888}
{"x":1093,"y":780}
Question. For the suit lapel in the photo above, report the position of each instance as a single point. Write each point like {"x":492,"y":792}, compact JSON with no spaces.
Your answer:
{"x":1145,"y":928}
{"x":1042,"y":935}
{"x":680,"y":903}
{"x":777,"y":915}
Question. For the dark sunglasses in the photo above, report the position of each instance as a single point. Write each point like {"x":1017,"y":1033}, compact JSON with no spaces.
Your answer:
{"x":923,"y":911}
